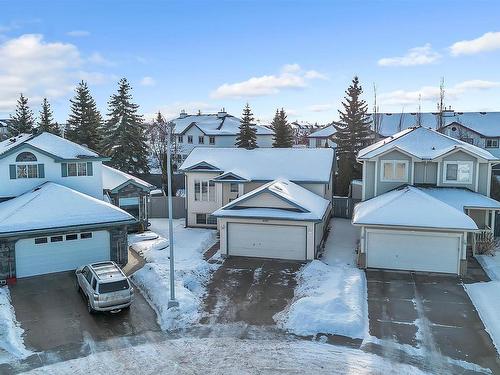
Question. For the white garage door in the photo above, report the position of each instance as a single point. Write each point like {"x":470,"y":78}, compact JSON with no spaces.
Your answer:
{"x":56,"y":256}
{"x":424,"y":251}
{"x":267,"y":241}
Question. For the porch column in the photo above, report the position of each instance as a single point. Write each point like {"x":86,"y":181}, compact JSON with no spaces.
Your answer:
{"x":493,"y":214}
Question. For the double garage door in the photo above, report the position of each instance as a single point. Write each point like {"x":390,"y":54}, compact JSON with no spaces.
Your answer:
{"x":415,"y":251}
{"x":267,"y":241}
{"x":61,"y":255}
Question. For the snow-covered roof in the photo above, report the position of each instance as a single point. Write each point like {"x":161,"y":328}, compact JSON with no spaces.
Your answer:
{"x":214,"y":124}
{"x":50,"y":143}
{"x":422,"y":143}
{"x":411,"y":207}
{"x":267,"y":164}
{"x":462,"y":198}
{"x":309,"y":206}
{"x":113,"y":178}
{"x":52,"y":206}
{"x":326,"y":132}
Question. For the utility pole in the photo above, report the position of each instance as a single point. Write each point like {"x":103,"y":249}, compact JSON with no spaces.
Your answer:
{"x":172,"y":302}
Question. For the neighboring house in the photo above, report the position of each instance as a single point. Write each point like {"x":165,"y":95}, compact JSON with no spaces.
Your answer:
{"x":301,"y":130}
{"x":129,"y":193}
{"x":322,"y":138}
{"x":266,"y":202}
{"x":212,"y":130}
{"x":425,"y":202}
{"x":4,"y":128}
{"x":52,"y":214}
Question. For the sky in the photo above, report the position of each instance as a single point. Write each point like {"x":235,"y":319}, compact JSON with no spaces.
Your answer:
{"x":208,"y":55}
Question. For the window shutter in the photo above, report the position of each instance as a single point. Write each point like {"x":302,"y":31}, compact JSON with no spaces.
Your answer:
{"x":64,"y":169}
{"x":89,"y":169}
{"x":41,"y":171}
{"x":12,"y":169}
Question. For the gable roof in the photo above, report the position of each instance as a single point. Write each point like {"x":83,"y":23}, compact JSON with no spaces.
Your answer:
{"x":52,"y":206}
{"x":113,"y":179}
{"x":214,"y":124}
{"x":461,"y":198}
{"x":52,"y":144}
{"x":422,"y":143}
{"x":326,"y":132}
{"x":309,"y":206}
{"x":411,"y":207}
{"x":267,"y":164}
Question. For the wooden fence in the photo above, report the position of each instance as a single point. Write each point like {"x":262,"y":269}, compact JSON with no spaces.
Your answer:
{"x":158,"y":207}
{"x":343,"y":207}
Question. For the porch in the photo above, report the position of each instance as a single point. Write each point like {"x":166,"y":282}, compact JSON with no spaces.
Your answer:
{"x":483,"y":240}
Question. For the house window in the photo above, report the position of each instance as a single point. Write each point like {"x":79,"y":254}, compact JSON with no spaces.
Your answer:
{"x":71,"y":237}
{"x":56,"y":239}
{"x":25,"y":156}
{"x":204,"y":219}
{"x":492,"y":143}
{"x":211,"y":140}
{"x":40,"y":240}
{"x":458,"y":172}
{"x":27,"y":171}
{"x":468,"y":140}
{"x":211,"y":220}
{"x":190,"y":139}
{"x":204,"y":190}
{"x":76,"y":169}
{"x":234,"y":187}
{"x":180,"y":139}
{"x":86,"y":235}
{"x":318,"y":143}
{"x":394,"y":171}
{"x":201,"y":139}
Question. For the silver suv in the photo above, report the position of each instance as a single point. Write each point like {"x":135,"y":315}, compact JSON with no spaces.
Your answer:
{"x":104,"y":286}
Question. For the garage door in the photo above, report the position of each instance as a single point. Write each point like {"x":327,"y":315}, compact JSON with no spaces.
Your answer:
{"x":58,"y":255}
{"x":424,"y":251}
{"x":267,"y":241}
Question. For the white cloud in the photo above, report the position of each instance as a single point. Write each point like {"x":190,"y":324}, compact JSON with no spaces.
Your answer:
{"x":147,"y":81}
{"x":290,"y":77}
{"x":98,"y":59}
{"x":37,"y":68}
{"x":415,"y":56}
{"x":486,"y":42}
{"x":78,"y":33}
{"x":431,"y":93}
{"x":321,"y":107}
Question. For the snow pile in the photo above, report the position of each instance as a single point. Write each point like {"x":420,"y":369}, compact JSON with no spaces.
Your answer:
{"x":11,"y":341}
{"x":491,"y":264}
{"x":331,"y":296}
{"x":191,"y":271}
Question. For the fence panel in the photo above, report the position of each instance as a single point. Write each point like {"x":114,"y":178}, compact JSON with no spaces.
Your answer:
{"x":158,"y":207}
{"x":343,"y":207}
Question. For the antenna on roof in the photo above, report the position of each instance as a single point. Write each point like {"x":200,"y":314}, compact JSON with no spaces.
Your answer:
{"x":419,"y":113}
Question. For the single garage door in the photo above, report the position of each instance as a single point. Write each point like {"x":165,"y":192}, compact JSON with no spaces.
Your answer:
{"x":58,"y":255}
{"x":415,"y":251}
{"x":267,"y":241}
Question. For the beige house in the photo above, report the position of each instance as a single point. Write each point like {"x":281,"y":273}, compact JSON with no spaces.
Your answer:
{"x":265,"y":202}
{"x":425,"y":202}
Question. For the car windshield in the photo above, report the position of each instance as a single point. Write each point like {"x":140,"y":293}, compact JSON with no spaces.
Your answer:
{"x":114,"y":286}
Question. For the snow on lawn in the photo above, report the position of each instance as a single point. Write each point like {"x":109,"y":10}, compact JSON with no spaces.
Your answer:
{"x":11,"y":341}
{"x":485,"y":296}
{"x":231,"y":356}
{"x":191,"y":270}
{"x":331,"y":295}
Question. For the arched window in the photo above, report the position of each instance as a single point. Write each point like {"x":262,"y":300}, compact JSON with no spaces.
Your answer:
{"x":25,"y":156}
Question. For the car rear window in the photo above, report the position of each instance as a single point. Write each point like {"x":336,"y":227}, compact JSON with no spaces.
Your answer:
{"x":114,"y":286}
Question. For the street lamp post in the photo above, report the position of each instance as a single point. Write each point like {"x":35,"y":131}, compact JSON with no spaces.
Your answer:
{"x":172,"y":302}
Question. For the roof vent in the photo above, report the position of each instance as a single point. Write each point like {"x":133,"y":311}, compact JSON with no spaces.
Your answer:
{"x":183,"y":114}
{"x":482,"y":113}
{"x":222,"y":113}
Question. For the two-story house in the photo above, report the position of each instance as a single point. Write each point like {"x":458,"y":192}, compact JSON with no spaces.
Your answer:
{"x":212,"y":130}
{"x":52,"y":214}
{"x":425,"y":202}
{"x":267,"y":202}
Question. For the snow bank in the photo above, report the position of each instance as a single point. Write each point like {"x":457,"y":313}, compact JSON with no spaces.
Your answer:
{"x":331,"y":295}
{"x":192,"y":272}
{"x":11,"y":341}
{"x":491,"y":265}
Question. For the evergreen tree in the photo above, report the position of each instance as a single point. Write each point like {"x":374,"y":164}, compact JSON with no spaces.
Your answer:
{"x":84,"y":125}
{"x":22,"y":121}
{"x":283,"y":133}
{"x":352,"y":134}
{"x":247,"y":137}
{"x":46,"y":122}
{"x":125,"y":134}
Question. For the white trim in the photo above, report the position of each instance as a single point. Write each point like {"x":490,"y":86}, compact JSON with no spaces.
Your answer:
{"x":412,"y":176}
{"x":363,"y":190}
{"x":439,"y":177}
{"x":446,"y":181}
{"x":394,"y":162}
{"x":375,"y":190}
{"x":488,"y":182}
{"x":476,"y":168}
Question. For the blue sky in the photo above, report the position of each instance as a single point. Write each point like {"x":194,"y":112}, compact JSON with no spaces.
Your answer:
{"x":300,"y":55}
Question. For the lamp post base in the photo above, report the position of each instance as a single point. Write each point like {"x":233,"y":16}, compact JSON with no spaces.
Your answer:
{"x":172,"y":303}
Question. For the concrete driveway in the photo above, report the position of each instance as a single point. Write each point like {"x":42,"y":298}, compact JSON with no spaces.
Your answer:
{"x":431,"y":313}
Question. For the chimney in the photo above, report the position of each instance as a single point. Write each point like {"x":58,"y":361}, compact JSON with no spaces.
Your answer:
{"x":183,"y":114}
{"x":222,"y":113}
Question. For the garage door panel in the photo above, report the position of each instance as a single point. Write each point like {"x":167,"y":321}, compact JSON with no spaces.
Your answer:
{"x":429,"y":252}
{"x":267,"y":241}
{"x":38,"y":259}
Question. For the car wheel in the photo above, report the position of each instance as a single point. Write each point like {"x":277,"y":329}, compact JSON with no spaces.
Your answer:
{"x":89,"y":307}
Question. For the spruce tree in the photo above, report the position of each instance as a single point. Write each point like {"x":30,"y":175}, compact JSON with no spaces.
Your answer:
{"x":283,"y":133}
{"x":22,"y":121}
{"x":352,"y":134}
{"x":247,"y":137}
{"x":125,"y":134}
{"x":84,"y":125}
{"x":46,"y":122}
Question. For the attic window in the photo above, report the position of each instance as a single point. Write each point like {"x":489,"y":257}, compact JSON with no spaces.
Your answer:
{"x":25,"y":156}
